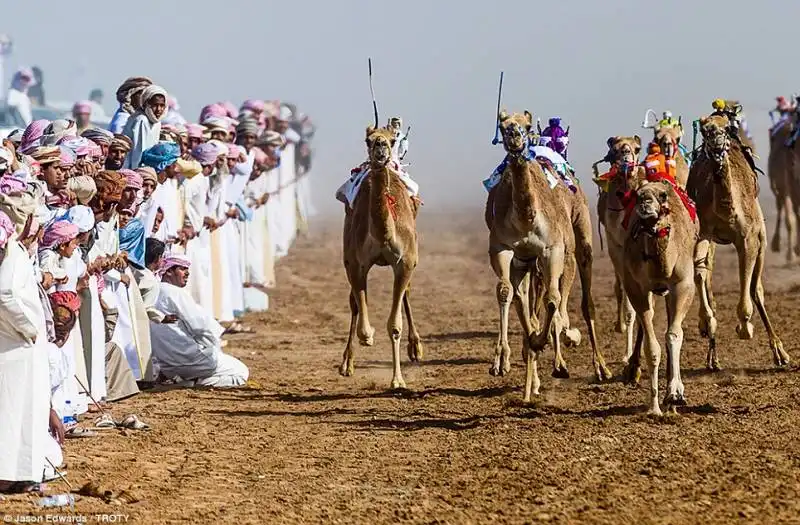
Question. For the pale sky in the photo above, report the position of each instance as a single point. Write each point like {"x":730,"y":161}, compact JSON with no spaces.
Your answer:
{"x":597,"y":64}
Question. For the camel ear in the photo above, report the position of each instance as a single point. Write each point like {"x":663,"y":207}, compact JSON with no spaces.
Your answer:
{"x":611,"y":141}
{"x":529,"y":118}
{"x":638,"y":140}
{"x":370,"y":130}
{"x":503,"y":115}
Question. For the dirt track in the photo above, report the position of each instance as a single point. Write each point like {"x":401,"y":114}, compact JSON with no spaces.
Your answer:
{"x":311,"y":446}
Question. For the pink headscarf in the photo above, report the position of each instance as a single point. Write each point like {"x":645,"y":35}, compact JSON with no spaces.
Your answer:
{"x":206,"y":153}
{"x":58,"y":233}
{"x":95,"y":151}
{"x":10,"y":185}
{"x":79,"y":145}
{"x":132,"y":179}
{"x":171,"y":261}
{"x":67,"y":157}
{"x":260,"y":156}
{"x":81,"y":107}
{"x":172,"y":103}
{"x":212,"y":110}
{"x":195,"y":131}
{"x":256,"y":106}
{"x":230,"y":109}
{"x":235,"y":152}
{"x":32,"y":136}
{"x":7,"y":229}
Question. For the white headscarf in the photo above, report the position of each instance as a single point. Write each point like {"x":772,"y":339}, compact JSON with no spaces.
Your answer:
{"x":148,"y":93}
{"x":82,"y":217}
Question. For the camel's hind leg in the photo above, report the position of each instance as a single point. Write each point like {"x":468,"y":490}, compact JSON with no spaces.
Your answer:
{"x":703,"y":266}
{"x":679,"y":301}
{"x":585,"y":260}
{"x":780,"y":208}
{"x":560,"y":369}
{"x":643,"y":304}
{"x":521,"y":285}
{"x":394,"y":327}
{"x":618,"y":295}
{"x":779,"y":355}
{"x":346,"y":368}
{"x":535,"y":297}
{"x":791,"y":230}
{"x":415,"y":351}
{"x":747,"y":250}
{"x":501,"y":263}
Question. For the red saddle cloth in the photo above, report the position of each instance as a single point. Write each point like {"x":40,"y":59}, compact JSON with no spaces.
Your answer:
{"x":629,"y":198}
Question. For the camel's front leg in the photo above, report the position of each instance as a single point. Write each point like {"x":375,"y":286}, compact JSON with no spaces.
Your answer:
{"x":747,"y":250}
{"x":366,"y":334}
{"x":679,"y":301}
{"x":629,"y":320}
{"x":553,"y":268}
{"x":779,"y":355}
{"x":346,"y":368}
{"x":521,"y":285}
{"x":703,"y":264}
{"x":585,"y":261}
{"x":618,"y":295}
{"x":572,"y":336}
{"x":643,"y":304}
{"x":791,"y":231}
{"x":415,"y":351}
{"x":501,"y":263}
{"x":780,"y":209}
{"x":402,"y":276}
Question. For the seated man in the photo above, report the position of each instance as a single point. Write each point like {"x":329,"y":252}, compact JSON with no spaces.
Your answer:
{"x":348,"y":191}
{"x":190,"y":349}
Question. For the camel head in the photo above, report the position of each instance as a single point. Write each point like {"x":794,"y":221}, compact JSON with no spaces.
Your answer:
{"x":379,"y":145}
{"x":716,"y":140}
{"x":624,"y":151}
{"x":515,"y":129}
{"x":652,"y":204}
{"x":667,"y":138}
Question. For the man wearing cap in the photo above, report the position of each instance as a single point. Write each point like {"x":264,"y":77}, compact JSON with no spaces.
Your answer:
{"x":190,"y":349}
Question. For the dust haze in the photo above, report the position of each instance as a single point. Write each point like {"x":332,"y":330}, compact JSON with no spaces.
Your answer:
{"x":598,"y":65}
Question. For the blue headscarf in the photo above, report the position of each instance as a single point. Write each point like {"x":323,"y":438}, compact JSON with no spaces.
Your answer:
{"x":161,"y":156}
{"x":132,"y":240}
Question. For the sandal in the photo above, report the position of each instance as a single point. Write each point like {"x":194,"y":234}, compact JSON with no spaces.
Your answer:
{"x":105,"y":422}
{"x":22,"y":487}
{"x":134,"y":423}
{"x":79,"y":432}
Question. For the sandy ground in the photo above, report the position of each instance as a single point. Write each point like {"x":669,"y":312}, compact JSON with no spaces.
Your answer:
{"x":308,"y":446}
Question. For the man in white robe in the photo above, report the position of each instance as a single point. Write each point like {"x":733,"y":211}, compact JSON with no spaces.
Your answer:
{"x":190,"y":349}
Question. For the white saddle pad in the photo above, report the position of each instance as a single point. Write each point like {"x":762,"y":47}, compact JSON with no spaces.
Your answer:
{"x":349,"y":190}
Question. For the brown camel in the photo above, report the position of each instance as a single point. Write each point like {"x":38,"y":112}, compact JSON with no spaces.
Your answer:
{"x":381,"y":230}
{"x":659,"y":259}
{"x":528,"y":225}
{"x":725,"y":189}
{"x":668,"y":139}
{"x":616,"y":190}
{"x":782,"y":167}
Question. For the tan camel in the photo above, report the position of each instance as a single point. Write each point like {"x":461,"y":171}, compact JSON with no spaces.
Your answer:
{"x":668,"y":139}
{"x":725,"y":189}
{"x":658,"y":254}
{"x":617,"y":188}
{"x":381,"y":230}
{"x":528,"y":225}
{"x":782,"y":168}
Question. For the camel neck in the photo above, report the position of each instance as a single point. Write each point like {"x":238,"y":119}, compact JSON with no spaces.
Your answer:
{"x":523,"y":190}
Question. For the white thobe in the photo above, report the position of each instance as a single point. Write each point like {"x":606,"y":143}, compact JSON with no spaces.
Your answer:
{"x":144,"y":136}
{"x":190,"y":348}
{"x":220,"y":274}
{"x":255,"y":237}
{"x":198,"y":250}
{"x":24,"y":370}
{"x":288,"y":199}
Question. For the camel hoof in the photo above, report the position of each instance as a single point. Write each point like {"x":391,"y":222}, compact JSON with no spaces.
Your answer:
{"x":367,"y":339}
{"x":775,"y":245}
{"x":631,"y":374}
{"x":655,"y":413}
{"x":415,"y":351}
{"x":346,"y":370}
{"x":560,"y":372}
{"x":494,"y":370}
{"x":398,"y":384}
{"x":745,"y":332}
{"x":674,"y":400}
{"x":779,"y":355}
{"x":713,"y":366}
{"x":603,"y":374}
{"x":572,"y":337}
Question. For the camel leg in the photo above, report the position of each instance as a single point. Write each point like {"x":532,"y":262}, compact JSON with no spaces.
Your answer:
{"x":703,"y":265}
{"x":747,"y":250}
{"x":629,"y":319}
{"x":585,"y":263}
{"x":794,"y":210}
{"x":652,"y":350}
{"x":679,"y":301}
{"x":394,"y":327}
{"x":780,"y":202}
{"x":501,"y":263}
{"x":572,"y":336}
{"x":779,"y":355}
{"x":620,"y":323}
{"x":366,"y":334}
{"x":791,"y":230}
{"x":535,"y":296}
{"x":553,"y":269}
{"x":415,"y":351}
{"x":632,"y":372}
{"x":346,"y":369}
{"x":520,"y":282}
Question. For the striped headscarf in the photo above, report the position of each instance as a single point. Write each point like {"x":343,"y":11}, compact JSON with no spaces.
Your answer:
{"x":99,"y":136}
{"x":32,"y":136}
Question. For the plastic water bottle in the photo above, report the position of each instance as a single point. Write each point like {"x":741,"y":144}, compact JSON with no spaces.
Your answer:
{"x":56,"y":500}
{"x":69,"y":415}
